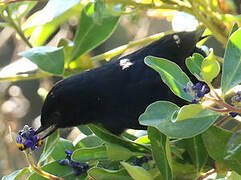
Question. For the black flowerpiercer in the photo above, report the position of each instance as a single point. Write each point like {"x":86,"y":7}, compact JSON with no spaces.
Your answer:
{"x":117,"y":93}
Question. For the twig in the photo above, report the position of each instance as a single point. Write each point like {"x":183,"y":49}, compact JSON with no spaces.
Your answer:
{"x":17,"y":28}
{"x":15,"y":1}
{"x":207,"y":174}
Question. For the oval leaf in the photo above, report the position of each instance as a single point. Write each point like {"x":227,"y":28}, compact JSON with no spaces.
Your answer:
{"x":90,"y":154}
{"x":92,"y":31}
{"x":161,"y":152}
{"x":188,"y":111}
{"x":137,"y":172}
{"x":50,"y":59}
{"x":231,"y":70}
{"x":216,"y":140}
{"x":159,"y":115}
{"x":105,"y":174}
{"x":171,"y":74}
{"x":194,"y":64}
{"x":111,"y":138}
{"x":210,"y":68}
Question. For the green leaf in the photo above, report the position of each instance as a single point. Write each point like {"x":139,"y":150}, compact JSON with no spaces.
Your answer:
{"x":89,"y":141}
{"x":117,"y":153}
{"x":42,"y":24}
{"x":105,"y":174}
{"x":234,"y":28}
{"x":90,"y":154}
{"x":234,"y":146}
{"x":143,"y":140}
{"x":93,"y":29}
{"x":197,"y":151}
{"x":210,"y":68}
{"x":171,"y":74}
{"x":216,"y":140}
{"x":50,"y":59}
{"x":231,"y":69}
{"x":111,"y":138}
{"x":189,"y":111}
{"x":235,"y":176}
{"x":62,"y":145}
{"x":17,"y":174}
{"x":50,"y":144}
{"x":67,"y":48}
{"x":51,"y":11}
{"x":194,"y":64}
{"x":161,"y":152}
{"x":137,"y":172}
{"x":160,"y":116}
{"x":85,"y":130}
{"x":66,"y":172}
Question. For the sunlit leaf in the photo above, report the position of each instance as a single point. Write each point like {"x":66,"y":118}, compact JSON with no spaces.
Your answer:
{"x":171,"y":74}
{"x":160,"y":116}
{"x":105,"y":174}
{"x":95,"y":26}
{"x":137,"y":172}
{"x":210,"y":68}
{"x":231,"y":69}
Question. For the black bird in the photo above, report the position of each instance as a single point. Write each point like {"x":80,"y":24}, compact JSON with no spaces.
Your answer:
{"x":117,"y":93}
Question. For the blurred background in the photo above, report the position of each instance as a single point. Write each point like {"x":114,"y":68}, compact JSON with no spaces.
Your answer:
{"x":21,"y":101}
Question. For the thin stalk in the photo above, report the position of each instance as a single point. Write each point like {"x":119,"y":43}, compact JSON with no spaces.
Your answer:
{"x":38,"y":170}
{"x":17,"y":28}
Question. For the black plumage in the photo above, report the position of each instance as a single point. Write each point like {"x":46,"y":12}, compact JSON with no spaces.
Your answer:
{"x":117,"y":93}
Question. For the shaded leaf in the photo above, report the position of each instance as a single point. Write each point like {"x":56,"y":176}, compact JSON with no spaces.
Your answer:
{"x":234,"y":146}
{"x":59,"y":150}
{"x":216,"y":140}
{"x":50,"y":144}
{"x":111,"y":138}
{"x":161,"y":152}
{"x":50,"y":59}
{"x":171,"y":74}
{"x":90,"y":154}
{"x":160,"y":116}
{"x":197,"y":151}
{"x":231,"y":69}
{"x":117,"y":153}
{"x":89,"y":141}
{"x":66,"y":172}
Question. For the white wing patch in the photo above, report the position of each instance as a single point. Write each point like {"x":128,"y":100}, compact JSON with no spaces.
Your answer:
{"x":125,"y":63}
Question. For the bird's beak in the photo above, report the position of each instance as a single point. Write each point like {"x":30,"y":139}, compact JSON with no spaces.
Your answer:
{"x":44,"y":132}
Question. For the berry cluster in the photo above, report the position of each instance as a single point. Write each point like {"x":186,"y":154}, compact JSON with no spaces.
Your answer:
{"x":236,"y":100}
{"x":27,"y":139}
{"x":197,"y":91}
{"x":78,"y":167}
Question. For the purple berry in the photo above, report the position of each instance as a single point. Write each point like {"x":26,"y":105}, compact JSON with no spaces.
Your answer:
{"x":68,"y":152}
{"x":233,"y":114}
{"x":64,"y":162}
{"x":194,"y":101}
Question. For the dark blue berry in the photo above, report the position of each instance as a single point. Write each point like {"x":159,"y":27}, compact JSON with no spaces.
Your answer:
{"x":198,"y":86}
{"x":185,"y":89}
{"x":64,"y":162}
{"x":200,"y":94}
{"x":68,"y":152}
{"x":233,"y":114}
{"x":194,"y":101}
